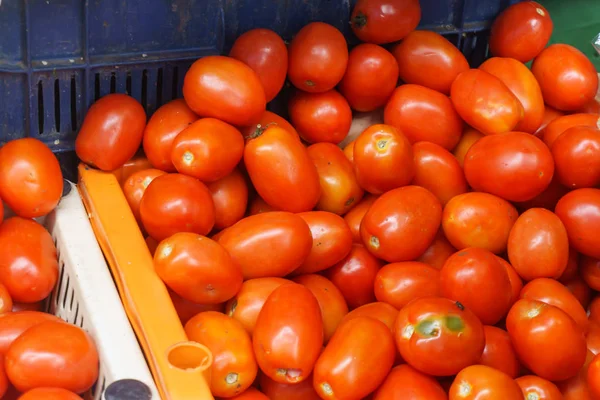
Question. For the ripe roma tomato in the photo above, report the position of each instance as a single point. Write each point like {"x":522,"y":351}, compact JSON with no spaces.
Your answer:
{"x":538,"y":245}
{"x":572,"y":270}
{"x":352,"y":367}
{"x":479,"y":382}
{"x":477,"y":219}
{"x":535,"y":387}
{"x":318,"y":56}
{"x":550,"y":114}
{"x":28,"y":260}
{"x":268,"y":118}
{"x":547,"y":340}
{"x":590,"y":271}
{"x":230,"y":197}
{"x":593,"y":106}
{"x":378,"y":310}
{"x":112,"y":132}
{"x":331,"y":241}
{"x":593,"y":377}
{"x":400,"y":283}
{"x":401,"y":224}
{"x":33,"y":358}
{"x":547,"y":199}
{"x":521,"y":82}
{"x":197,"y":268}
{"x":265,"y":52}
{"x":516,"y":166}
{"x":283,"y":391}
{"x":579,"y":211}
{"x":475,"y":278}
{"x":576,"y":155}
{"x":567,"y":77}
{"x":384,"y":21}
{"x":580,"y":289}
{"x":411,"y":384}
{"x":187,"y":309}
{"x":594,"y":310}
{"x":422,"y":114}
{"x":13,"y":324}
{"x":234,"y":367}
{"x":4,"y":384}
{"x":31,"y":181}
{"x":438,"y":171}
{"x":349,"y":151}
{"x":438,"y":252}
{"x":516,"y":283}
{"x":162,"y":128}
{"x":355,"y":216}
{"x":176,"y":203}
{"x":259,"y":206}
{"x":320,"y":117}
{"x":562,"y":123}
{"x":208,"y":149}
{"x":521,"y":31}
{"x":49,"y":394}
{"x":281,"y":170}
{"x":383,"y":159}
{"x":576,"y":388}
{"x":250,"y":394}
{"x":287,"y":344}
{"x":135,"y":186}
{"x":269,"y":244}
{"x":485,"y":102}
{"x":438,"y":336}
{"x":370,"y":78}
{"x":6,"y":303}
{"x":468,"y":138}
{"x":498,"y":352}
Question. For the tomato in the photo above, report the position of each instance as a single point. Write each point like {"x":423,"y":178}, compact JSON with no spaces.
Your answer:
{"x":4,"y":383}
{"x":224,"y":88}
{"x":576,"y":388}
{"x":162,"y":128}
{"x":31,"y":181}
{"x":135,"y":186}
{"x":370,"y":78}
{"x":283,"y":391}
{"x":6,"y":303}
{"x":576,"y":154}
{"x":593,"y":337}
{"x":438,"y":252}
{"x":410,"y":384}
{"x":230,"y":197}
{"x":594,"y":310}
{"x":187,"y":309}
{"x":320,"y":117}
{"x":384,"y":21}
{"x":208,"y":149}
{"x":250,"y":394}
{"x":550,"y":114}
{"x":546,"y":339}
{"x":355,"y":216}
{"x":538,"y":245}
{"x":268,"y":118}
{"x":175,"y":203}
{"x":331,"y":241}
{"x":422,"y":114}
{"x":562,"y":123}
{"x":269,"y":244}
{"x":352,"y":366}
{"x":535,"y":387}
{"x":282,"y":171}
{"x":265,"y":52}
{"x":476,"y":279}
{"x":49,"y":393}
{"x":401,"y":224}
{"x":28,"y":260}
{"x":400,"y":283}
{"x":331,"y":301}
{"x":498,"y":352}
{"x":234,"y":367}
{"x":33,"y":358}
{"x":383,"y":159}
{"x":521,"y":31}
{"x":152,"y":244}
{"x":349,"y":151}
{"x":380,"y":311}
{"x":579,"y":211}
{"x":516,"y":166}
{"x":593,"y":106}
{"x":516,"y":283}
{"x":318,"y":56}
{"x":355,"y":276}
{"x":15,"y":323}
{"x":590,"y":271}
{"x":593,"y":376}
{"x":568,"y":79}
{"x":287,"y":344}
{"x":477,"y":219}
{"x":259,"y":206}
{"x":480,"y":382}
{"x":468,"y":138}
{"x":580,"y":289}
{"x":521,"y":82}
{"x":438,"y":336}
{"x":427,"y":58}
{"x":547,"y":199}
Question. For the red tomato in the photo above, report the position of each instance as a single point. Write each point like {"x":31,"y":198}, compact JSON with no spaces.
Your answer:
{"x":28,"y":260}
{"x":534,"y":387}
{"x":422,"y":114}
{"x":33,"y":358}
{"x":268,"y":118}
{"x":562,"y":123}
{"x":401,"y":224}
{"x":521,"y":31}
{"x":498,"y":352}
{"x":409,"y":384}
{"x":546,"y":339}
{"x":352,"y":367}
{"x":516,"y":166}
{"x":380,"y":311}
{"x":547,"y":199}
{"x":234,"y":367}
{"x":370,"y":78}
{"x":480,"y":382}
{"x":593,"y":376}
{"x":384,"y":21}
{"x":576,"y":388}
{"x":355,"y":216}
{"x":576,"y":156}
{"x":31,"y":181}
{"x":230,"y":197}
{"x":550,"y":114}
{"x":176,"y":203}
{"x":282,"y":171}
{"x":284,"y":391}
{"x":349,"y":151}
{"x":438,"y":252}
{"x":224,"y":88}
{"x":469,"y":137}
{"x":287,"y":344}
{"x":4,"y":383}
{"x":187,"y":309}
{"x":250,"y":394}
{"x":49,"y":394}
{"x":15,"y":323}
{"x":259,"y":206}
{"x":516,"y":283}
{"x":427,"y":58}
{"x":595,"y":310}
{"x":438,"y":336}
{"x":164,"y":125}
{"x":400,"y":283}
{"x":568,"y":79}
{"x":135,"y":186}
{"x":579,"y":211}
{"x":152,"y":245}
{"x":477,"y":219}
{"x":580,"y":289}
{"x":6,"y":303}
{"x":590,"y":271}
{"x":593,"y":106}
{"x":320,"y":117}
{"x":265,"y":52}
{"x":318,"y":56}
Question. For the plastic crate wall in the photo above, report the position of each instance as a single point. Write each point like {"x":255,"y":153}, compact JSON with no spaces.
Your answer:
{"x":58,"y":56}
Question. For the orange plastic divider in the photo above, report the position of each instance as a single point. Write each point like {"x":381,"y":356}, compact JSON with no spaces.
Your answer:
{"x":181,"y":368}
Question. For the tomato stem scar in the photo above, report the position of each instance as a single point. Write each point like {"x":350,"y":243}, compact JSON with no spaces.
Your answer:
{"x":231,"y":378}
{"x":359,"y":21}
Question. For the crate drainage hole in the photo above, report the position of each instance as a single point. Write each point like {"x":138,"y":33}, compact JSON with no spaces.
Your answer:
{"x":190,"y":356}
